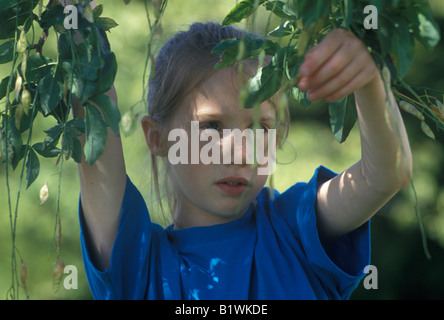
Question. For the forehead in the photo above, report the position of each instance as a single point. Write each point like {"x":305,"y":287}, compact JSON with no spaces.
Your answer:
{"x":219,"y":94}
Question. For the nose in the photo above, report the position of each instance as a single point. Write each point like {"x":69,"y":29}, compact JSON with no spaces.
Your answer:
{"x":237,"y":147}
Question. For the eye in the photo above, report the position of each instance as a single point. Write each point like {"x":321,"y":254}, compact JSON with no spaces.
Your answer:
{"x":210,"y":125}
{"x":263,"y":126}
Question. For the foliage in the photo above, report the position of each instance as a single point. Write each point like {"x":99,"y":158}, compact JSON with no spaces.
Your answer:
{"x":304,"y":23}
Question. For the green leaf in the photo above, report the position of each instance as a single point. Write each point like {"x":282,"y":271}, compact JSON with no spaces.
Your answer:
{"x":235,"y":50}
{"x":6,"y":52}
{"x":300,"y":97}
{"x":107,"y":74}
{"x":39,"y":147}
{"x":311,"y":11}
{"x":54,"y":16}
{"x":96,"y":134}
{"x":109,"y":110}
{"x":281,"y":9}
{"x":402,"y":48}
{"x":32,"y":167}
{"x":50,"y":91}
{"x":242,"y":11}
{"x":76,"y":127}
{"x":77,"y":152}
{"x":106,"y":23}
{"x":53,"y":136}
{"x":37,"y":67}
{"x":286,"y":28}
{"x":348,"y":12}
{"x":15,"y":146}
{"x":429,"y":34}
{"x":263,"y":85}
{"x":343,"y":117}
{"x":4,"y":86}
{"x":97,"y":12}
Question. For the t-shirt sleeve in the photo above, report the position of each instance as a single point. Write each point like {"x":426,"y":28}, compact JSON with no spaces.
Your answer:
{"x":127,"y":276}
{"x":340,"y":267}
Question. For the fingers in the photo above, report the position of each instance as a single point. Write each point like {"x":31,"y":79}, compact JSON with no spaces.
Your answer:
{"x":337,"y":81}
{"x":338,"y":66}
{"x":319,"y":54}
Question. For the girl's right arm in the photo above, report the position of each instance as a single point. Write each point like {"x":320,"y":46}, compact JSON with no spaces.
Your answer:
{"x":102,"y":186}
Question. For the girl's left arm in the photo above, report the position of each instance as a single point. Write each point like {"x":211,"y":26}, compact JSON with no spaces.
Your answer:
{"x":337,"y":67}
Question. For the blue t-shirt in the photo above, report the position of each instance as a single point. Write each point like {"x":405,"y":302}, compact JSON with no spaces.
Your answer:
{"x":272,"y":252}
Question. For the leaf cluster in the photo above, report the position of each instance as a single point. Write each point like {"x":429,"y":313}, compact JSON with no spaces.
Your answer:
{"x":85,"y":67}
{"x":303,"y":23}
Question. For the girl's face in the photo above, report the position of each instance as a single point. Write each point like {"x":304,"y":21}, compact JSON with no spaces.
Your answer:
{"x":210,"y":194}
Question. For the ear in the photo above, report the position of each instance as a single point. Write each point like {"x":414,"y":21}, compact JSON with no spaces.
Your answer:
{"x":153,"y":136}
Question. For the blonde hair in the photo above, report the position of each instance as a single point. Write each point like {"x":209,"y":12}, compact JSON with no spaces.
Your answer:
{"x":182,"y":65}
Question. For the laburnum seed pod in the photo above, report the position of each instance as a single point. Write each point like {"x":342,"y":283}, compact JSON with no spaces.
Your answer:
{"x":44,"y":193}
{"x":18,"y":86}
{"x":24,"y":64}
{"x":57,"y":274}
{"x":427,"y":131}
{"x":18,"y":115}
{"x":408,"y":107}
{"x":26,"y":100}
{"x":21,"y":43}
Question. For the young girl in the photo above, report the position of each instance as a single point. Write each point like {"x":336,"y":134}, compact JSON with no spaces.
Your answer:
{"x":229,"y":238}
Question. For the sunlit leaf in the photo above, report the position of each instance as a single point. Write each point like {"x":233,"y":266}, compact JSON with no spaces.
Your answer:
{"x":109,"y":110}
{"x":32,"y":167}
{"x":343,"y":117}
{"x":50,"y":92}
{"x":281,"y":9}
{"x":96,"y":134}
{"x":428,"y":31}
{"x":241,"y":11}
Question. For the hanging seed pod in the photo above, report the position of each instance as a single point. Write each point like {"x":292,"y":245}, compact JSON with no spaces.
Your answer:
{"x":24,"y":64}
{"x":408,"y":107}
{"x":44,"y":193}
{"x":26,"y":101}
{"x":126,"y":122}
{"x":57,"y":274}
{"x":18,"y":115}
{"x":18,"y":86}
{"x":427,"y":131}
{"x":22,"y":43}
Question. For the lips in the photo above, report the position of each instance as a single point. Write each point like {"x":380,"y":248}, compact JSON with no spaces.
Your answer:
{"x":232,"y":186}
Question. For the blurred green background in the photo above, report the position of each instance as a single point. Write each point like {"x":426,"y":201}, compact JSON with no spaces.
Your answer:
{"x":403,"y":269}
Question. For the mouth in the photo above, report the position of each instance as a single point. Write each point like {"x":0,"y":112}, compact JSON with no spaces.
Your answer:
{"x":233,"y":186}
